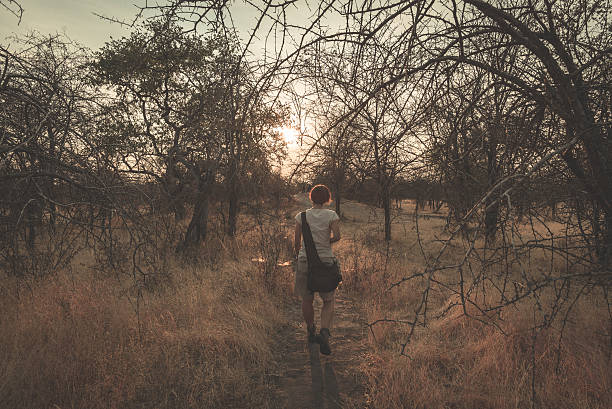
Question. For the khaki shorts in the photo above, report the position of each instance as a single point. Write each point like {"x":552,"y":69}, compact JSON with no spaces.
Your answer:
{"x":301,"y":281}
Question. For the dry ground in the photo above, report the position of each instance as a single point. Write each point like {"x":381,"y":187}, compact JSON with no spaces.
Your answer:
{"x":308,"y":379}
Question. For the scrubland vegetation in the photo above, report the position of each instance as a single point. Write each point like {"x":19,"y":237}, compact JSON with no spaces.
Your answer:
{"x":83,"y":338}
{"x":459,"y":361}
{"x":204,"y":335}
{"x":148,"y":189}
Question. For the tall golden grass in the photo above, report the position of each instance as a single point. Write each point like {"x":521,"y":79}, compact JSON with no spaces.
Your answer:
{"x":457,"y":361}
{"x":205,"y":339}
{"x":460,"y":363}
{"x":79,"y":341}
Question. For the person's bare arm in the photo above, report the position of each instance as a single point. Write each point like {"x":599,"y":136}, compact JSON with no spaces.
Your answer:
{"x":297,"y":239}
{"x":335,"y":231}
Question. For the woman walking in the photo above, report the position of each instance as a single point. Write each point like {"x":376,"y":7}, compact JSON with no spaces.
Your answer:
{"x":325,"y":227}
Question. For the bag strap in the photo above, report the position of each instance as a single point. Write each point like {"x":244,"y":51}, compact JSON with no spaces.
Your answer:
{"x":311,"y":250}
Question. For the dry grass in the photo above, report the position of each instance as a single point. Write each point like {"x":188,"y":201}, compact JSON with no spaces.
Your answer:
{"x":203,"y":339}
{"x":459,"y":362}
{"x":70,"y":342}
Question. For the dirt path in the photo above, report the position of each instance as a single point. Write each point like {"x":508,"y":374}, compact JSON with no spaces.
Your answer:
{"x":311,"y":380}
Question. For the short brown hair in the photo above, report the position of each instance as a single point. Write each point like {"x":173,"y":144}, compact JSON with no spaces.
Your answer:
{"x":320,"y":194}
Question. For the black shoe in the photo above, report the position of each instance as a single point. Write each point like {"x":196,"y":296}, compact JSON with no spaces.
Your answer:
{"x":312,"y":335}
{"x":324,"y":341}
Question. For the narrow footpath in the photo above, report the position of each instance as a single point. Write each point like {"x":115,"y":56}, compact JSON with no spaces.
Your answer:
{"x":308,"y":379}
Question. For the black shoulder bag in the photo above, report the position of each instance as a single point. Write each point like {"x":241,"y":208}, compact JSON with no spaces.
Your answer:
{"x":321,"y":277}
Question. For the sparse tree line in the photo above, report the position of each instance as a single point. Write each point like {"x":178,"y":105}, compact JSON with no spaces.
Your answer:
{"x":131,"y":149}
{"x":499,"y":109}
{"x":489,"y":98}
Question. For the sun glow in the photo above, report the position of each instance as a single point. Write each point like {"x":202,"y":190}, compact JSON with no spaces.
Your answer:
{"x":290,"y":135}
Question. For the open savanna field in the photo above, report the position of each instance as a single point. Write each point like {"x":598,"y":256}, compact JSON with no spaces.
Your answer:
{"x":470,"y":358}
{"x":224,"y":331}
{"x":154,"y":156}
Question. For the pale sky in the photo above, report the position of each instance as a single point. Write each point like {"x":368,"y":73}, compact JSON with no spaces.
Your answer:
{"x":75,"y":18}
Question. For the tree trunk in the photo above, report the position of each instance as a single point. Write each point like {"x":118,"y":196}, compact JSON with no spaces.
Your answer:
{"x":491,"y":219}
{"x":491,"y":203}
{"x":33,"y":214}
{"x":52,"y":217}
{"x":173,"y":190}
{"x":179,"y":210}
{"x":232,"y":186}
{"x":31,"y":236}
{"x":232,"y":215}
{"x":386,"y":202}
{"x":602,"y":199}
{"x":198,"y":226}
{"x":605,"y":247}
{"x":50,"y":166}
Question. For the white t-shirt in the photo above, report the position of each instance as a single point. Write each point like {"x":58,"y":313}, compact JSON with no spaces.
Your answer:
{"x":319,"y":221}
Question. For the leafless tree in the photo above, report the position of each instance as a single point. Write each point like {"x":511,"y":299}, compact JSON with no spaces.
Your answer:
{"x":480,"y":132}
{"x":523,"y":91}
{"x":42,"y":120}
{"x":382,"y":120}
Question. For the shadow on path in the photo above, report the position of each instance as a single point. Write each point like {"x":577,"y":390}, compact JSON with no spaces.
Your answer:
{"x":331,"y":387}
{"x":305,"y":378}
{"x":324,"y":384}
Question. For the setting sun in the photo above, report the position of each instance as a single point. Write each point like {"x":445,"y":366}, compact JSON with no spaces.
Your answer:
{"x":290,"y":135}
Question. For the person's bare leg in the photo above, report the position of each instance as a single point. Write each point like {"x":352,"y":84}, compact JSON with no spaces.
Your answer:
{"x":327,"y":313}
{"x":308,"y":311}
